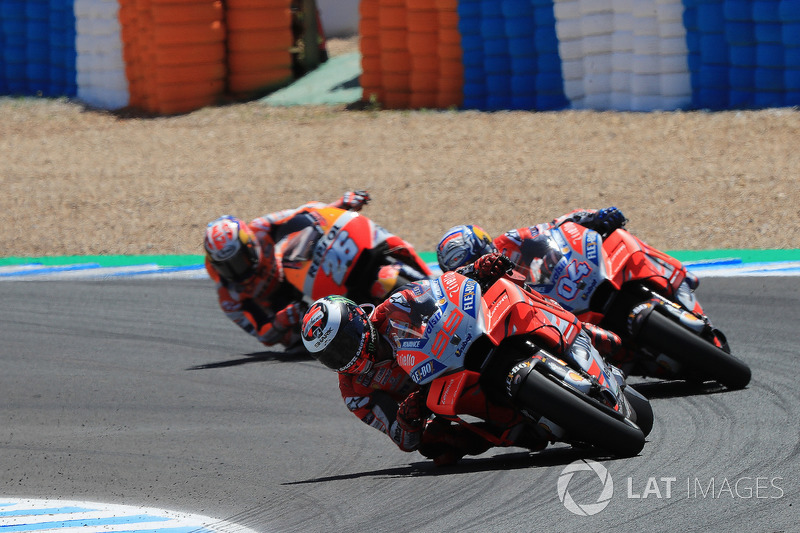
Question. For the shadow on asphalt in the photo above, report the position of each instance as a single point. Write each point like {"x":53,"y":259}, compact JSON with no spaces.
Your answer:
{"x":676,"y":389}
{"x":556,"y":456}
{"x":258,"y":357}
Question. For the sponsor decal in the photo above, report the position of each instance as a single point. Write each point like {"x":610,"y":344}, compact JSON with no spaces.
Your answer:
{"x":412,"y":344}
{"x":463,"y":346}
{"x":573,"y":231}
{"x":451,"y":285}
{"x":433,"y":320}
{"x":468,"y":298}
{"x":591,"y":248}
{"x":513,"y":377}
{"x":406,"y":360}
{"x":426,"y":370}
{"x":323,"y":339}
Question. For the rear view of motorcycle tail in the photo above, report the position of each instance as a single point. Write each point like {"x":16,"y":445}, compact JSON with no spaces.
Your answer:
{"x":663,"y":327}
{"x":570,"y":415}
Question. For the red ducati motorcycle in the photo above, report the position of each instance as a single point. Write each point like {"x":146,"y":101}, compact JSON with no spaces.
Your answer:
{"x":516,"y":368}
{"x":640,"y":293}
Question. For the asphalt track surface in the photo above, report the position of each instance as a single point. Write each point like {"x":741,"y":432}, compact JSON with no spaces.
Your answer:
{"x":142,"y":393}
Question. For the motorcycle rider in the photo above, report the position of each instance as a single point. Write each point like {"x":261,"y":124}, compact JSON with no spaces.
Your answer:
{"x":375,"y":388}
{"x":463,"y":244}
{"x":250,"y":282}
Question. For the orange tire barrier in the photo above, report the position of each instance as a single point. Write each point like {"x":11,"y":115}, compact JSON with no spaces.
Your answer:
{"x":423,"y":20}
{"x":423,"y":100}
{"x":393,"y":39}
{"x":187,"y":13}
{"x":394,"y":82}
{"x":259,"y":42}
{"x":190,"y":33}
{"x":370,"y":47}
{"x":395,"y":61}
{"x":183,"y":55}
{"x":451,"y":68}
{"x":392,"y":16}
{"x":394,"y":53}
{"x":257,"y":60}
{"x":251,"y":41}
{"x":420,"y":43}
{"x":170,"y":92}
{"x":259,"y":19}
{"x":190,"y":73}
{"x":425,"y":63}
{"x":423,"y":44}
{"x":424,"y":82}
{"x":174,"y":52}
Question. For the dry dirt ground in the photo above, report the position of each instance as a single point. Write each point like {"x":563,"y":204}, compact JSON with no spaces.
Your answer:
{"x":81,"y":181}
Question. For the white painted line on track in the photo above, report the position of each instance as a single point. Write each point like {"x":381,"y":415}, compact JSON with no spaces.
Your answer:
{"x":66,"y":516}
{"x":96,"y":272}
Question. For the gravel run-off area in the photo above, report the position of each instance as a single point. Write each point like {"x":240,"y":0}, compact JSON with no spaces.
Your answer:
{"x":83,"y":181}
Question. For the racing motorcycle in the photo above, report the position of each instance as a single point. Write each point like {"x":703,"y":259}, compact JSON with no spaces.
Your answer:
{"x":326,"y":251}
{"x":640,"y":293}
{"x":516,"y":368}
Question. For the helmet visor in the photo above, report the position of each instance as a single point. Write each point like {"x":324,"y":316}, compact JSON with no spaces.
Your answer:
{"x":236,"y":268}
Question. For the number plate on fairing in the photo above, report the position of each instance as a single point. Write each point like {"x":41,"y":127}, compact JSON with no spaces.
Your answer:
{"x":439,"y":344}
{"x":579,"y":270}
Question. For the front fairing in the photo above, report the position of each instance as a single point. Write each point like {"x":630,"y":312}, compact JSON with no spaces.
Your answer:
{"x":573,"y":267}
{"x":444,"y":319}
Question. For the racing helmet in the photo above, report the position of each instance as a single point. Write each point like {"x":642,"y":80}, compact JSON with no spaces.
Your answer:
{"x":461,"y":245}
{"x":339,"y":334}
{"x":232,"y":248}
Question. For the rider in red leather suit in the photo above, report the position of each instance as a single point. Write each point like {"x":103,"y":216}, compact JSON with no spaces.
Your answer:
{"x":374,"y":387}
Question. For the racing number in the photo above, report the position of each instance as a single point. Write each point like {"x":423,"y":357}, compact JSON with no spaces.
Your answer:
{"x":568,"y":284}
{"x":444,"y":334}
{"x":339,"y":256}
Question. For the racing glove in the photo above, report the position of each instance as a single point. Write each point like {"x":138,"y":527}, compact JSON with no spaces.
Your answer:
{"x":608,"y":219}
{"x":354,"y":200}
{"x":290,"y":316}
{"x":492,"y":266}
{"x":412,"y":412}
{"x":406,"y":431}
{"x":607,"y":342}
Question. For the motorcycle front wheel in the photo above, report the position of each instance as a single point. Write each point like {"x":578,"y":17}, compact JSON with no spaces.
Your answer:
{"x":641,"y":406}
{"x":583,"y":419}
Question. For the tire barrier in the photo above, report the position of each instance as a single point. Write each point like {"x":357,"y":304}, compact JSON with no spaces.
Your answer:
{"x":259,"y":42}
{"x":171,"y":56}
{"x":158,"y":56}
{"x":629,"y":55}
{"x":37,"y":47}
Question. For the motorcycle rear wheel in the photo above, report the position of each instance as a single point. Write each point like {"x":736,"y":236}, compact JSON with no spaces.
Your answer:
{"x":667,"y":336}
{"x":584,"y":420}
